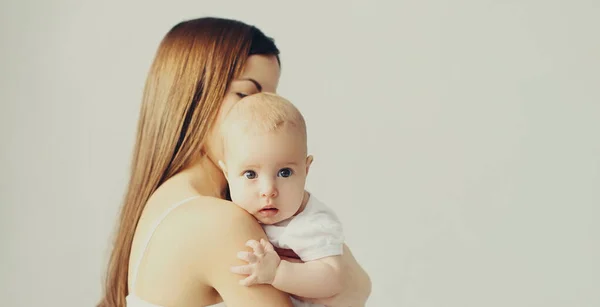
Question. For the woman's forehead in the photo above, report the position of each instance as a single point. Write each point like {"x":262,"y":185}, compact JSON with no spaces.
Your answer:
{"x":264,"y":70}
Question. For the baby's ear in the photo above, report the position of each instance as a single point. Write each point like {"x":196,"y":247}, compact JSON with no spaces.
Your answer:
{"x":223,"y":168}
{"x":309,"y":161}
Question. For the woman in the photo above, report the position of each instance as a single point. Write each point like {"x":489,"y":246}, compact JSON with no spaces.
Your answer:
{"x":178,"y":236}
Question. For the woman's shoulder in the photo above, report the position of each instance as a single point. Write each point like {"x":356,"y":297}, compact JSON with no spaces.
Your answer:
{"x":215,"y":216}
{"x":221,"y":233}
{"x":205,"y":228}
{"x":215,"y":230}
{"x":195,"y":222}
{"x":215,"y":210}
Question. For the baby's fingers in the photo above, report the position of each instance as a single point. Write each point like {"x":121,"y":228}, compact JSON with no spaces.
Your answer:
{"x":248,"y":281}
{"x":242,"y":269}
{"x":248,"y":257}
{"x":256,"y":246}
{"x":268,"y":247}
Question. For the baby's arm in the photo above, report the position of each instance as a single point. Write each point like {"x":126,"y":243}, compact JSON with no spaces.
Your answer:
{"x":319,"y":278}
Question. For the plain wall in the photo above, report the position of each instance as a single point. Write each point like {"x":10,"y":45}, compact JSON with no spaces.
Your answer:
{"x":459,"y":141}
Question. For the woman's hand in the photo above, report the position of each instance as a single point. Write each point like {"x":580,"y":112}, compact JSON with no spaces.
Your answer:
{"x":356,"y":287}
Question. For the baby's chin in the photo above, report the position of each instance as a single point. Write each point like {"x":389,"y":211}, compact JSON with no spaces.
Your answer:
{"x":270,"y":220}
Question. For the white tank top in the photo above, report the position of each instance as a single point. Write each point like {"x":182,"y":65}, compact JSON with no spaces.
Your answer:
{"x":133,"y":300}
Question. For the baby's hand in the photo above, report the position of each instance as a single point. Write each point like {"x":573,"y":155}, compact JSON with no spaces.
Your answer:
{"x":262,"y":263}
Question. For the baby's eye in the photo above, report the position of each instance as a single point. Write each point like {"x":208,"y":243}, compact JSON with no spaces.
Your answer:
{"x":241,"y":95}
{"x":285,"y":172}
{"x":250,"y":174}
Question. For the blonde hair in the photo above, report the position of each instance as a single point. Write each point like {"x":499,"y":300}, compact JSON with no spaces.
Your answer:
{"x":262,"y":113}
{"x":195,"y":63}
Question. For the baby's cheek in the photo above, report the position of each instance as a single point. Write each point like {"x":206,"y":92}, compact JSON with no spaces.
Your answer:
{"x":242,"y":196}
{"x":292,"y":193}
{"x":236,"y":191}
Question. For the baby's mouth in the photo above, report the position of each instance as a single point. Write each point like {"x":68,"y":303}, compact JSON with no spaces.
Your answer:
{"x":268,"y":212}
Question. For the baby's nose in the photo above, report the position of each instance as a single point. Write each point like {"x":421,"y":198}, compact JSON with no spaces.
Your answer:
{"x":268,"y":189}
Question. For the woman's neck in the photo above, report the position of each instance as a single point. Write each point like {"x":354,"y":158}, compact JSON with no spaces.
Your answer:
{"x":205,"y":177}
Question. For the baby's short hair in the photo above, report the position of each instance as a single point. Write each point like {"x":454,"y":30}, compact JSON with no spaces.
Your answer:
{"x":264,"y":112}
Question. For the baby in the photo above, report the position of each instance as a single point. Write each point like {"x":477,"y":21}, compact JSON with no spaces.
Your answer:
{"x":265,"y":162}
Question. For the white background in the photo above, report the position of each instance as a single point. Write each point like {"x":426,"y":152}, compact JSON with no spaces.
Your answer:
{"x":459,"y":141}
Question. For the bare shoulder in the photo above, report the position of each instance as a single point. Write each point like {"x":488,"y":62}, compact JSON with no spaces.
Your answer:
{"x":213,"y":214}
{"x":216,"y":231}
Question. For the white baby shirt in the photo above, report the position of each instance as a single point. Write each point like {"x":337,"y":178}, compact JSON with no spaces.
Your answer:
{"x":314,"y":233}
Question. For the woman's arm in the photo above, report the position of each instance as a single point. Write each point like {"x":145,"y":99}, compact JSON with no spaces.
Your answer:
{"x":229,"y":232}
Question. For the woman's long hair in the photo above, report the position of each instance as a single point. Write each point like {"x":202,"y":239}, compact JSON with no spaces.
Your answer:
{"x":188,"y":79}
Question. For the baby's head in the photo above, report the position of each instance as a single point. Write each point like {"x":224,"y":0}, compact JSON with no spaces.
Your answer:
{"x":265,"y":156}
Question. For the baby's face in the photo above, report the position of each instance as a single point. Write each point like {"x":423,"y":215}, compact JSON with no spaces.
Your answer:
{"x":267,"y":173}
